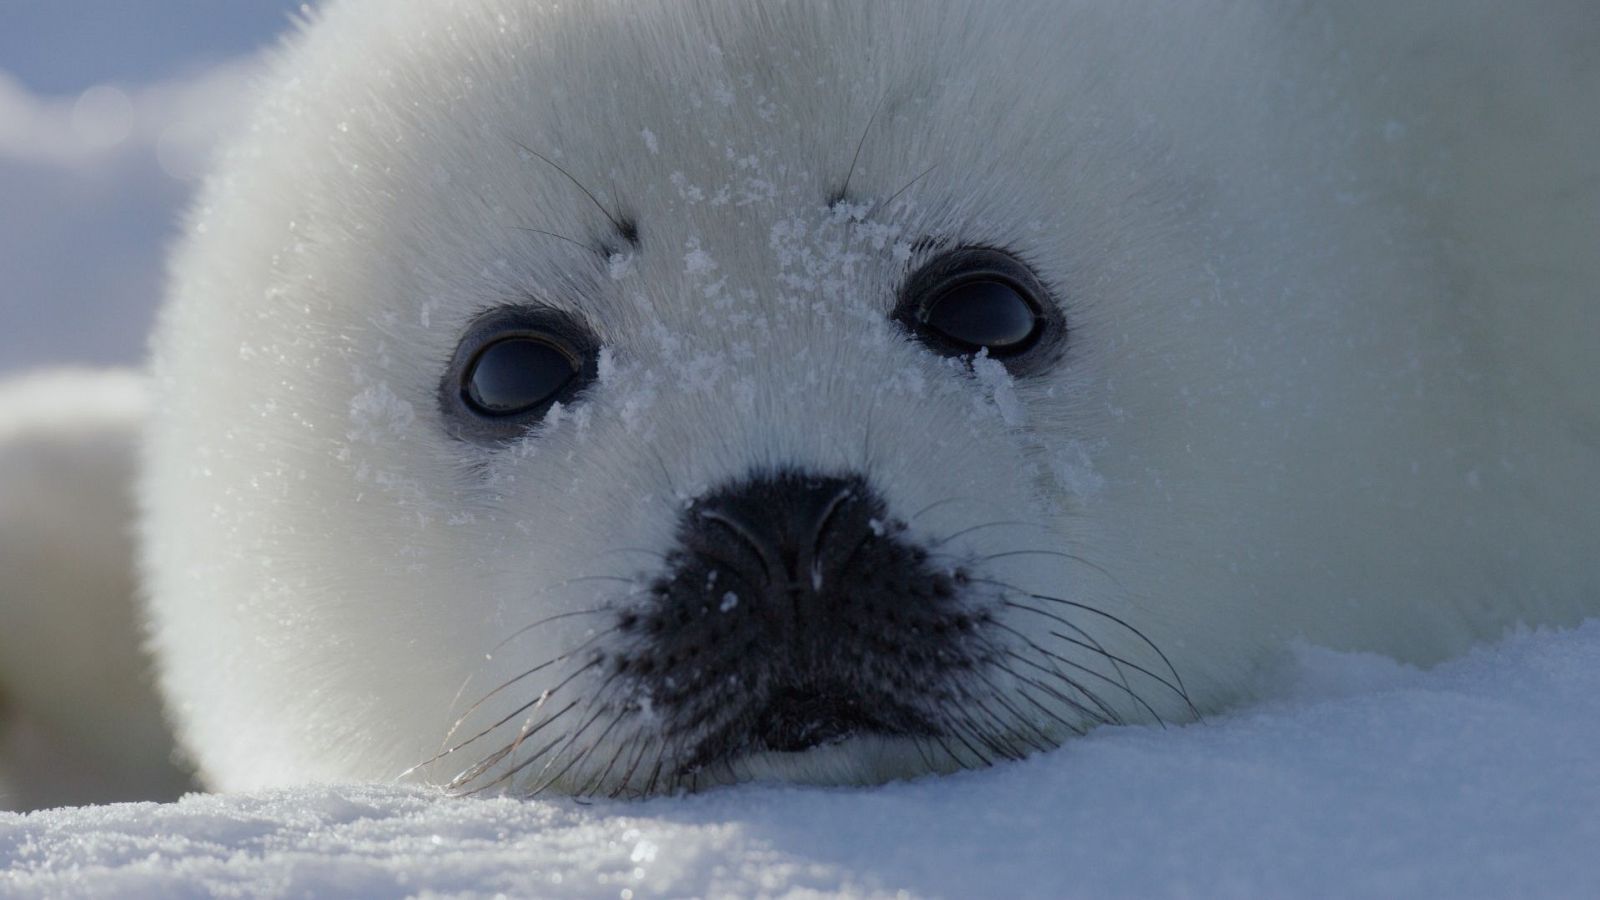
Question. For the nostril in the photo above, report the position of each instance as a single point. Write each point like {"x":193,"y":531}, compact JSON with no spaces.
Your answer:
{"x":753,"y":538}
{"x":792,"y":525}
{"x":840,"y":497}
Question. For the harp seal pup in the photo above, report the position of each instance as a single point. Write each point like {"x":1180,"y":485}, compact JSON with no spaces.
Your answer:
{"x":615,"y":398}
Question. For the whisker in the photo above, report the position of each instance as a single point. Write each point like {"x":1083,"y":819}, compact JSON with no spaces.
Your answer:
{"x":655,"y":770}
{"x":884,"y":204}
{"x":1115,"y":660}
{"x":518,"y":768}
{"x":1117,"y":719}
{"x":473,"y":772}
{"x":955,"y":732}
{"x":596,"y":610}
{"x":1093,"y":715}
{"x":1102,"y":713}
{"x":1005,"y":554}
{"x":587,"y":248}
{"x":532,"y":704}
{"x":1076,"y":729}
{"x":1011,"y":731}
{"x":576,"y":758}
{"x":627,"y":777}
{"x":970,"y":529}
{"x":584,"y":755}
{"x":562,"y":740}
{"x":645,"y":550}
{"x":1178,"y":679}
{"x":1016,"y":716}
{"x":616,"y":223}
{"x":1094,"y":645}
{"x":964,"y":725}
{"x":599,"y":703}
{"x":938,"y":503}
{"x":844,"y":190}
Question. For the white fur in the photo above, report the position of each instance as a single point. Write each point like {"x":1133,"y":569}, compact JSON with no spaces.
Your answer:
{"x":1329,"y":276}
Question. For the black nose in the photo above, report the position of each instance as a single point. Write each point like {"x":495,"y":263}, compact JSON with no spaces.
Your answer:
{"x":795,"y":612}
{"x":788,"y":537}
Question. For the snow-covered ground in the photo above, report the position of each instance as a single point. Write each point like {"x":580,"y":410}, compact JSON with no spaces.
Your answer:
{"x":1480,"y":778}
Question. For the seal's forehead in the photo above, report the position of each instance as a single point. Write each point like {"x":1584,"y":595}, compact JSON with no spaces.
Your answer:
{"x":484,"y":148}
{"x":624,"y":90}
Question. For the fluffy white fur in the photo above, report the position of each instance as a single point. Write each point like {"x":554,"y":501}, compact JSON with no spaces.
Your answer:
{"x":1329,"y":275}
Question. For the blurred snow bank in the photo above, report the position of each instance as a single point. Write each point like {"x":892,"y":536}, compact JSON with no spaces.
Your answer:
{"x":1477,"y":779}
{"x":94,"y":184}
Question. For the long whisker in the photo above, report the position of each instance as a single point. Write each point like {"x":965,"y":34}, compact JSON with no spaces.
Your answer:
{"x":1117,"y":719}
{"x":560,"y":237}
{"x":472,"y":773}
{"x":563,"y":740}
{"x":596,"y":610}
{"x":573,"y":739}
{"x":1095,"y":716}
{"x":1016,"y":716}
{"x":884,"y":204}
{"x":1113,"y":658}
{"x":844,"y":189}
{"x":532,"y":704}
{"x":1005,"y":554}
{"x":621,"y":227}
{"x":980,"y":527}
{"x":1178,"y":679}
{"x":938,"y":503}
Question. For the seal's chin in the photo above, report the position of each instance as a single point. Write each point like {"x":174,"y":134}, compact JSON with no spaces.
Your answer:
{"x":860,"y":758}
{"x":794,"y":720}
{"x":818,"y":732}
{"x":801,"y":718}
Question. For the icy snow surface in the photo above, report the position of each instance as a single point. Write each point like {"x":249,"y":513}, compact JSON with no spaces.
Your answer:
{"x":1480,"y":778}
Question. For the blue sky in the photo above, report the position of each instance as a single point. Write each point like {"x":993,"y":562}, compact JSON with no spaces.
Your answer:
{"x":61,"y":46}
{"x":93,"y":193}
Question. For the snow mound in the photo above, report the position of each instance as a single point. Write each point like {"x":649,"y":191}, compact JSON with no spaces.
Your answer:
{"x":1479,"y":778}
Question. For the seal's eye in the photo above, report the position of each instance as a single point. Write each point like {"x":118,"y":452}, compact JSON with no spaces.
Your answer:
{"x":511,"y":367}
{"x":516,"y":374}
{"x":974,"y":299}
{"x":984,"y":313}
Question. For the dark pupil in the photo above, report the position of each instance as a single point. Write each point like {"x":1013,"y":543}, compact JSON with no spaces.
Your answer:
{"x":983,"y":314}
{"x":516,"y":374}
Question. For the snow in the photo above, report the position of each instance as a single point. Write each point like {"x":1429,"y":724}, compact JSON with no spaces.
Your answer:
{"x":999,"y":388}
{"x":1361,"y":778}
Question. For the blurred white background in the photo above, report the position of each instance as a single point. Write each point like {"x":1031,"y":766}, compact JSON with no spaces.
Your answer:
{"x":108,"y":112}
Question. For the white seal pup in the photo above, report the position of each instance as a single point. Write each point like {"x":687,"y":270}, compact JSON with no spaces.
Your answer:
{"x":615,"y":397}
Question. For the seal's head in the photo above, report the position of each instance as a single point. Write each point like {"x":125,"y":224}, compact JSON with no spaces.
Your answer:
{"x":611,"y":398}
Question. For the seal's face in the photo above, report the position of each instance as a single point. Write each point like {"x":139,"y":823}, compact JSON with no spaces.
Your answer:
{"x":787,"y":603}
{"x":612,"y":400}
{"x":762,"y":501}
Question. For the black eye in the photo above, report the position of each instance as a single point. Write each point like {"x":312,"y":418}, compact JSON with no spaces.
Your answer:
{"x":516,"y":374}
{"x":976,"y":298}
{"x":991,"y":314}
{"x":511,"y":367}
